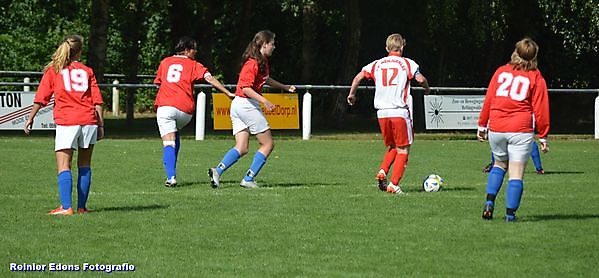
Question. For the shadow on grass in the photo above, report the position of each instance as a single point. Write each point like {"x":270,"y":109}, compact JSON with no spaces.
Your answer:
{"x":548,"y":217}
{"x":231,"y":183}
{"x":444,"y":189}
{"x":562,"y":172}
{"x":132,"y":208}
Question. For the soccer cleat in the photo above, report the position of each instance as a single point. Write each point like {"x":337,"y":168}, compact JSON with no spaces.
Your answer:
{"x":61,"y":211}
{"x":214,"y":177}
{"x":488,"y":212}
{"x":488,"y":168}
{"x":541,"y":172}
{"x":394,"y":189}
{"x":510,"y":218}
{"x":382,"y":180}
{"x":83,"y":211}
{"x":172,"y":182}
{"x":248,"y":184}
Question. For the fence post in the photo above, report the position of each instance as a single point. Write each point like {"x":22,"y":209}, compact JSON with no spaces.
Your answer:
{"x":201,"y":116}
{"x":307,"y":114}
{"x":597,"y":117}
{"x":115,"y":98}
{"x":26,"y":88}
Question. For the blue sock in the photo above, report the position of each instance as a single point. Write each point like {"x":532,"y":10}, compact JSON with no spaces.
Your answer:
{"x":514,"y":194}
{"x":229,"y":159}
{"x":536,"y":156}
{"x":169,"y":160}
{"x":65,"y":187}
{"x":257,"y":163}
{"x":495,"y":180}
{"x":84,"y":181}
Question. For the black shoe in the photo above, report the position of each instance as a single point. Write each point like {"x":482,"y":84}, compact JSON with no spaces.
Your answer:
{"x":488,"y":212}
{"x":382,"y":181}
{"x":488,"y":168}
{"x":541,"y":172}
{"x":510,"y":218}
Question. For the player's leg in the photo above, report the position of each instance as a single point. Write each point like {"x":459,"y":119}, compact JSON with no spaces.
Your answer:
{"x":389,"y":157}
{"x":84,"y":178}
{"x":498,"y":143}
{"x":536,"y":158}
{"x":166,"y":118}
{"x":266,"y":147}
{"x":519,"y":148}
{"x":488,"y":168}
{"x":65,"y":182}
{"x":84,"y":173}
{"x":403,"y":138}
{"x":65,"y":143}
{"x":242,"y":139}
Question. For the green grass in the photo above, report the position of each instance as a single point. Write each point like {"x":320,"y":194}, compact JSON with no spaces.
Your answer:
{"x":317,"y":214}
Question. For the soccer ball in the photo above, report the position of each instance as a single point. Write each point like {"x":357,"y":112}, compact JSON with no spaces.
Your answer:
{"x":432,"y":183}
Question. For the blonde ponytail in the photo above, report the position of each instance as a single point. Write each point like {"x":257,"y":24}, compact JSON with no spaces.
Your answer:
{"x":68,"y":51}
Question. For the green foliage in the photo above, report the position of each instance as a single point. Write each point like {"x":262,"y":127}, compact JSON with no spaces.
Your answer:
{"x":576,"y":21}
{"x":317,"y":215}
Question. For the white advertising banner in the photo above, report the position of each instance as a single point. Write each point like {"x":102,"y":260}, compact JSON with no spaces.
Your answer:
{"x":15,"y":108}
{"x":452,"y":111}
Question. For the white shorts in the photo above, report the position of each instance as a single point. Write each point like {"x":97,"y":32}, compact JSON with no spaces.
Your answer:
{"x":75,"y":136}
{"x":171,"y":119}
{"x":512,"y":146}
{"x":246,"y":113}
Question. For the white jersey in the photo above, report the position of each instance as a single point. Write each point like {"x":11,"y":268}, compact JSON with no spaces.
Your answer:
{"x":391,"y":75}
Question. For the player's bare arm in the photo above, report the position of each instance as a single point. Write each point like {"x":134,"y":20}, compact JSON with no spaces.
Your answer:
{"x":100,"y":119}
{"x":216,"y":84}
{"x":278,"y":85}
{"x":423,"y":82}
{"x":351,"y":97}
{"x":29,"y":123}
{"x":248,"y":91}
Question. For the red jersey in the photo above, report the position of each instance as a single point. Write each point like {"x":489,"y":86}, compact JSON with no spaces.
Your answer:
{"x":75,"y":93}
{"x":176,"y":76}
{"x":513,"y":97}
{"x":251,"y":77}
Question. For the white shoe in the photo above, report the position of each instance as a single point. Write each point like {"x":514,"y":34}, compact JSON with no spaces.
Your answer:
{"x":214,"y":177}
{"x":172,"y":182}
{"x":248,"y":184}
{"x":394,"y":189}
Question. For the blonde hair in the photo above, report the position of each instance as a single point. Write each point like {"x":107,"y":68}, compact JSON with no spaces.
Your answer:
{"x":395,"y":42}
{"x":68,"y":50}
{"x":524,"y":56}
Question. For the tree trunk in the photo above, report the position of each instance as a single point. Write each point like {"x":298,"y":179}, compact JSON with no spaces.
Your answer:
{"x":98,"y":38}
{"x":241,"y":40}
{"x":350,"y":59}
{"x":131,"y":40}
{"x":309,"y":28}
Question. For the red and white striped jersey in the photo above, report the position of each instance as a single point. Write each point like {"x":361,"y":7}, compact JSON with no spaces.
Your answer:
{"x":176,"y":76}
{"x":391,"y":75}
{"x":513,"y":98}
{"x":75,"y":92}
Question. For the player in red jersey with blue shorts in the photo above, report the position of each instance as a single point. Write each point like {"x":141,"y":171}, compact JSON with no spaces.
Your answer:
{"x":392,"y":99}
{"x":175,"y":102}
{"x":78,"y":118}
{"x":246,"y":115}
{"x":516,"y":100}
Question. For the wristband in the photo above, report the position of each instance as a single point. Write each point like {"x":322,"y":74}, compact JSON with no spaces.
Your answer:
{"x":543,"y":140}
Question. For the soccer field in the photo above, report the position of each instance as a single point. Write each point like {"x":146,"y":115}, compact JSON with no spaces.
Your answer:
{"x":318,"y":212}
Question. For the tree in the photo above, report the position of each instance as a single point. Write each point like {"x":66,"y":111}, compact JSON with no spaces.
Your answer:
{"x":576,"y":21}
{"x":98,"y":29}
